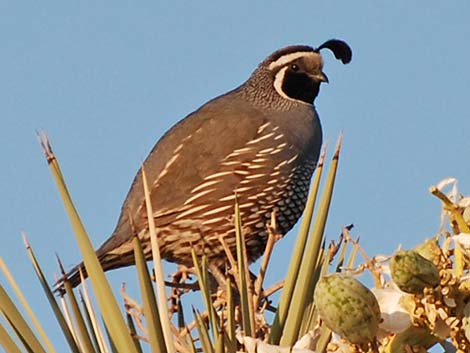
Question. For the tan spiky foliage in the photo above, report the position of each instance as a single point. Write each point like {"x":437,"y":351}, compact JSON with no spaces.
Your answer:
{"x":435,"y":310}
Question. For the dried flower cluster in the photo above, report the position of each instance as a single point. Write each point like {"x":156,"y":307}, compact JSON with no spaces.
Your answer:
{"x":423,"y":294}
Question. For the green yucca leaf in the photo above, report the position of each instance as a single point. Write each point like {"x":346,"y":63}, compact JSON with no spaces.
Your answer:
{"x":18,"y":323}
{"x":152,"y":316}
{"x":324,"y":339}
{"x":111,"y":342}
{"x":190,"y":343}
{"x":230,"y":329}
{"x":6,"y":341}
{"x":310,"y":316}
{"x":89,"y":322}
{"x":27,"y":308}
{"x":279,"y":321}
{"x":84,"y":338}
{"x":104,"y":295}
{"x":219,"y":344}
{"x":159,"y":276}
{"x":52,"y":301}
{"x":214,"y":323}
{"x":204,"y":285}
{"x":246,"y":305}
{"x":97,"y":332}
{"x":203,"y":333}
{"x":130,"y":323}
{"x":305,"y":280}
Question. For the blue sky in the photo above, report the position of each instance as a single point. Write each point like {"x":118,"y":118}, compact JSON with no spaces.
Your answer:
{"x":106,"y":80}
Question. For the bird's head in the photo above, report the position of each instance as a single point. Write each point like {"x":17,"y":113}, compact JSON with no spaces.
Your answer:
{"x":296,"y":72}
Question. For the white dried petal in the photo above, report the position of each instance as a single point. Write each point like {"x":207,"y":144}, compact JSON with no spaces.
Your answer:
{"x":443,"y":183}
{"x":308,"y":341}
{"x":341,"y":345}
{"x":454,"y":194}
{"x":395,"y":318}
{"x":254,"y":345}
{"x":250,"y":344}
{"x":464,"y":202}
{"x":463,"y":239}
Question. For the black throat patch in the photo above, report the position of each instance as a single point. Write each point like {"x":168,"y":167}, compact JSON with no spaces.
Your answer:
{"x":300,"y":86}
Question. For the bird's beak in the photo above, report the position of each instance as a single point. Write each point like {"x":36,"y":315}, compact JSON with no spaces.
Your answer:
{"x":321,"y":77}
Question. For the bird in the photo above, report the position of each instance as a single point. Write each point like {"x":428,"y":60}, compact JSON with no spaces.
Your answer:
{"x":257,"y":145}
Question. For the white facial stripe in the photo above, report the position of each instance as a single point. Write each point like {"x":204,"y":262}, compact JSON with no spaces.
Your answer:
{"x":289,"y":58}
{"x":278,"y":80}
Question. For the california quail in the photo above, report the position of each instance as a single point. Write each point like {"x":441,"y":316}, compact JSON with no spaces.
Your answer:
{"x":259,"y":142}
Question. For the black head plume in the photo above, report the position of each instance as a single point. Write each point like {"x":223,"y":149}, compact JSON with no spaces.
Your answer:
{"x":340,"y":49}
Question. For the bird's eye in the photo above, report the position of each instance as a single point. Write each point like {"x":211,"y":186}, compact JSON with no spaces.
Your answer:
{"x":294,"y":67}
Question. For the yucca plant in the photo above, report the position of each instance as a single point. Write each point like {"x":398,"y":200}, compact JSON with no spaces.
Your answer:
{"x":338,"y":315}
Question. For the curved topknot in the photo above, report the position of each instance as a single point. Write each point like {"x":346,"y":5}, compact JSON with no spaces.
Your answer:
{"x":340,"y":49}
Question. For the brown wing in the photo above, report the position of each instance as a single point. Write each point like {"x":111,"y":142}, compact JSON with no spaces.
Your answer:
{"x":224,"y":147}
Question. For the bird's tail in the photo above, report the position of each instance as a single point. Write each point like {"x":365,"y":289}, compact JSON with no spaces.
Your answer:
{"x":116,"y":251}
{"x":107,"y":261}
{"x":73,"y":277}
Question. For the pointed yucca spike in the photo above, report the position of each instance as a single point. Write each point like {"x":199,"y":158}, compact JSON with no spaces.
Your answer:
{"x":111,"y":342}
{"x":26,"y":307}
{"x":88,"y":322}
{"x":279,"y":321}
{"x":324,"y":339}
{"x":152,"y":316}
{"x":246,"y":303}
{"x":190,"y":343}
{"x":159,"y":276}
{"x":18,"y":323}
{"x":104,"y":295}
{"x":84,"y":338}
{"x":219,"y":343}
{"x":7,"y":342}
{"x":232,"y":340}
{"x":213,"y":319}
{"x":68,"y":318}
{"x":310,"y":318}
{"x":180,"y":315}
{"x":305,"y":280}
{"x":51,"y":298}
{"x":203,"y":332}
{"x":204,"y":285}
{"x":130,"y":323}
{"x":98,"y":332}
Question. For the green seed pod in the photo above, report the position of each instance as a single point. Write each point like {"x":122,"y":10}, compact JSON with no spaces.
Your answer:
{"x":347,"y":307}
{"x":430,"y":250}
{"x":412,"y":273}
